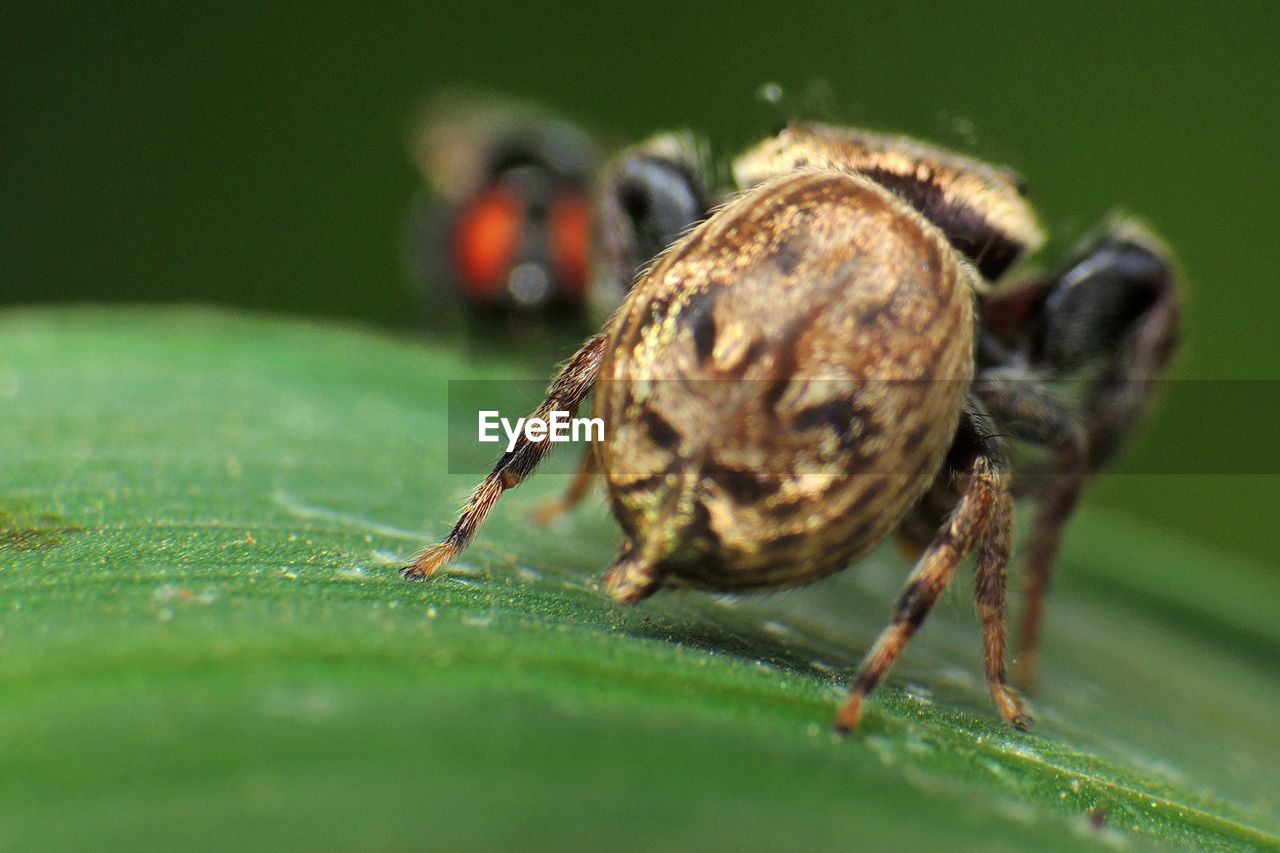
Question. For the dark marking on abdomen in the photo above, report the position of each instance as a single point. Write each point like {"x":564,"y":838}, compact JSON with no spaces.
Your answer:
{"x":787,"y":256}
{"x":661,"y":431}
{"x":786,"y":542}
{"x":702,"y":321}
{"x":871,"y":314}
{"x":743,"y":486}
{"x":700,"y":530}
{"x":644,"y":484}
{"x":838,"y":414}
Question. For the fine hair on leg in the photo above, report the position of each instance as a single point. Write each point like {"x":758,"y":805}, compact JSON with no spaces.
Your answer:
{"x":567,"y":391}
{"x":977,"y":459}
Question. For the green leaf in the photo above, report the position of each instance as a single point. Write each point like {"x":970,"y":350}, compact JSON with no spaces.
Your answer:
{"x":204,"y":641}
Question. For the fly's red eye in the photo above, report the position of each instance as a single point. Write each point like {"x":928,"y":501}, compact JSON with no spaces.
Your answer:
{"x":485,"y":241}
{"x":570,"y":236}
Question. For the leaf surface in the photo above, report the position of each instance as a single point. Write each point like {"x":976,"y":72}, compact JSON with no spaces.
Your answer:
{"x":204,"y":641}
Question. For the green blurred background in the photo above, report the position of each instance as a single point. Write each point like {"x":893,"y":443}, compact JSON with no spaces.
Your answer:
{"x":252,"y":155}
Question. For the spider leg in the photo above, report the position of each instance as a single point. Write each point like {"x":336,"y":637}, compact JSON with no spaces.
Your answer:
{"x":567,"y":391}
{"x":982,"y":517}
{"x":1025,"y":409}
{"x":1116,"y":305}
{"x":990,"y":582}
{"x":1109,"y":316}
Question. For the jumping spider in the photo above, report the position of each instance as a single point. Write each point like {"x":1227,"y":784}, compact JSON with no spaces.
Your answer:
{"x":831,"y":357}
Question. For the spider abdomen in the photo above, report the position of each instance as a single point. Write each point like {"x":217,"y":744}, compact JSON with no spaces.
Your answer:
{"x":783,"y":385}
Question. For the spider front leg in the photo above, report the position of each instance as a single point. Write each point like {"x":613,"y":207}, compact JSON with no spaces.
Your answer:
{"x":1110,"y":317}
{"x":1115,"y":306}
{"x":566,"y":393}
{"x":983,"y":517}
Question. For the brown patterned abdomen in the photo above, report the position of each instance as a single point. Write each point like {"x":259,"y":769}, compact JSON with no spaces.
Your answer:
{"x":784,"y":384}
